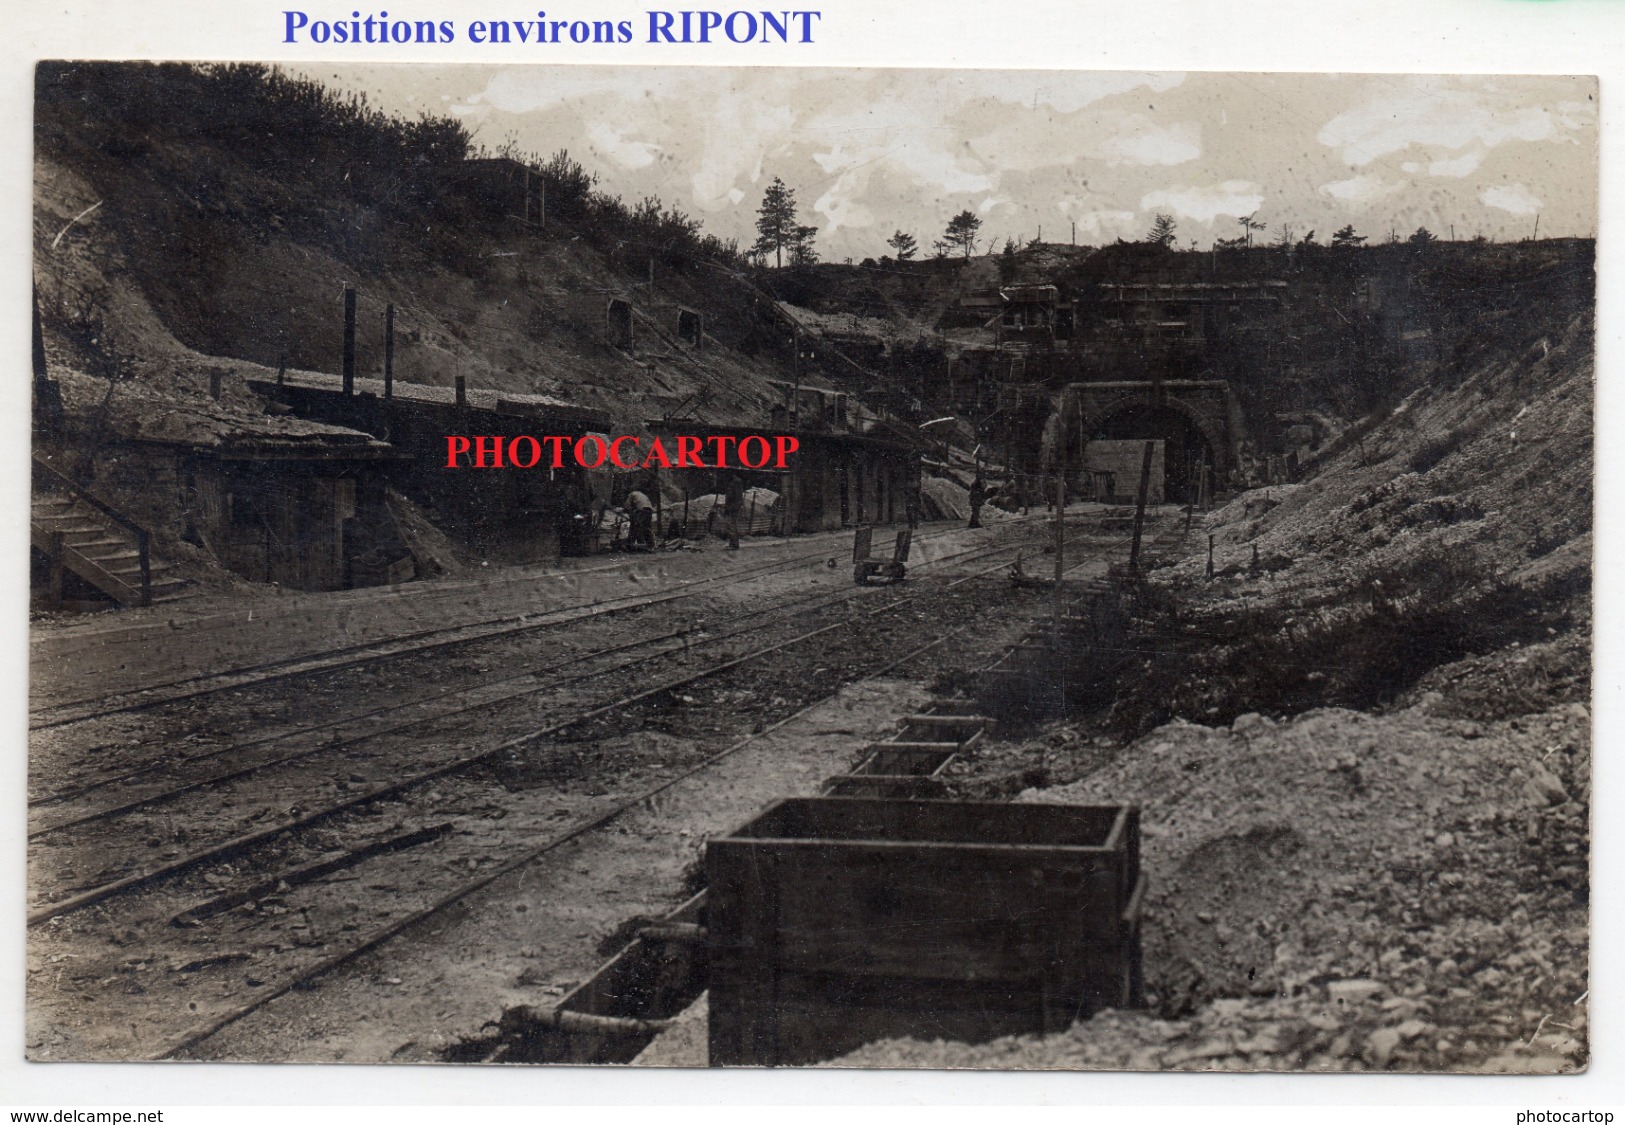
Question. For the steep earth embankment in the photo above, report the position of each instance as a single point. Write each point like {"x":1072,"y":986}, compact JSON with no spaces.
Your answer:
{"x":1364,"y":760}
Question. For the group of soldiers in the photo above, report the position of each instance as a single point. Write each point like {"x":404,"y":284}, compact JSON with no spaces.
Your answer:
{"x":640,"y":512}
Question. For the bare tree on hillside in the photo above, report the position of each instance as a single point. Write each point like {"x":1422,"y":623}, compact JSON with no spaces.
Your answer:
{"x":1248,"y":226}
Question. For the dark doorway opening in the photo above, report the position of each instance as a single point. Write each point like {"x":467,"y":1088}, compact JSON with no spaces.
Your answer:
{"x":1186,"y":446}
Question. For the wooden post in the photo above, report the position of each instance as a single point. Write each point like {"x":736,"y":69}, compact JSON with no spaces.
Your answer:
{"x":462,"y":391}
{"x":1139,"y":506}
{"x":389,"y":351}
{"x":349,"y":341}
{"x":143,"y":547}
{"x":795,"y":378}
{"x":1210,"y":558}
{"x":56,"y":570}
{"x":1060,"y":544}
{"x":1196,"y":492}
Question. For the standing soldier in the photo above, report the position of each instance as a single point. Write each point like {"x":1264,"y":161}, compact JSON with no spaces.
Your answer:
{"x":978,"y":496}
{"x":642,"y":512}
{"x":733,"y":505}
{"x":911,"y":494}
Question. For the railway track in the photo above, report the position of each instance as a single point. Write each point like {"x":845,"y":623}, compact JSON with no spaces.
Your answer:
{"x":436,"y":640}
{"x":658,"y":645}
{"x":421,"y":841}
{"x":199,"y":926}
{"x":190,"y":1044}
{"x":116,"y":827}
{"x":191,"y":1039}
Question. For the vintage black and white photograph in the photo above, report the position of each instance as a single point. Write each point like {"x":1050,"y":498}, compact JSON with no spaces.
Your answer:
{"x":777,"y":567}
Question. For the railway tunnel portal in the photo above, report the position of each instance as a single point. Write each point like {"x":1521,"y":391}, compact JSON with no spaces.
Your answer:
{"x":1195,"y":419}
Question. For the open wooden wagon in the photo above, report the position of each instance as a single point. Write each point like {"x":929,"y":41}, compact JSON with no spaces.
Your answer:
{"x":865,"y":568}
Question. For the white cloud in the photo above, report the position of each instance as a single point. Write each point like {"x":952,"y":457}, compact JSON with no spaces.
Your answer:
{"x":1064,"y":92}
{"x":1442,"y":113}
{"x":872,"y":149}
{"x":1513,"y":198}
{"x":1204,"y":204}
{"x":1148,"y":143}
{"x":1461,"y":166}
{"x":842,"y":203}
{"x":525,"y":89}
{"x":628,"y":154}
{"x":1362,"y":190}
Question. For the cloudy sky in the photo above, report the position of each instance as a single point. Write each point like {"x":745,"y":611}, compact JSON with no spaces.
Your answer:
{"x":871,"y":151}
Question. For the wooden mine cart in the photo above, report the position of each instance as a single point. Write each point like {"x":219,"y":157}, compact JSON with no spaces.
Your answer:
{"x":617,"y":1012}
{"x":833,"y":922}
{"x":864,"y":568}
{"x":910,"y":765}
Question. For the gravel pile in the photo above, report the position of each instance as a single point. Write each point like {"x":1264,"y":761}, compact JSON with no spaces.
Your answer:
{"x":1344,"y":892}
{"x":1403,"y":887}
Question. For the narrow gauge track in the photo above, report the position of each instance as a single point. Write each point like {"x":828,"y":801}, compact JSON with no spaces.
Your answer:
{"x":195,"y":956}
{"x":187,"y":1042}
{"x":98,"y":843}
{"x":442,"y":903}
{"x":304,"y":929}
{"x":675,"y":640}
{"x":408,"y":644}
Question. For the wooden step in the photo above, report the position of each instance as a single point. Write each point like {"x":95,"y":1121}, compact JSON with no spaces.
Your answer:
{"x":99,"y":552}
{"x":72,"y":525}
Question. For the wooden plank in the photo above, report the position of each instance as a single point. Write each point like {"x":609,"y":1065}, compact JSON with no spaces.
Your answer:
{"x":956,"y":721}
{"x":907,"y":760}
{"x":932,"y":736}
{"x":911,"y":744}
{"x":742,"y":922}
{"x":920,"y":825}
{"x":942,"y":917}
{"x":884,"y":786}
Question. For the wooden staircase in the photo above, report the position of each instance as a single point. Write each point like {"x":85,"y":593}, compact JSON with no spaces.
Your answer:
{"x":81,"y":535}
